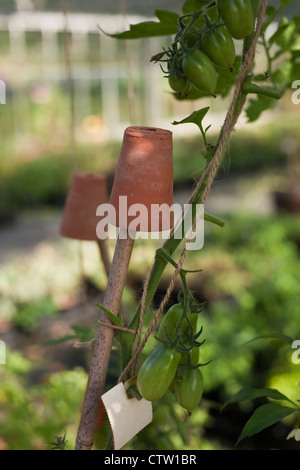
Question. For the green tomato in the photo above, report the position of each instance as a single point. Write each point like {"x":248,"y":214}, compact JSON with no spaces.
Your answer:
{"x":200,"y":71}
{"x":238,"y":17}
{"x":191,"y":357}
{"x":192,"y":36}
{"x":189,"y":386}
{"x":218,"y":45}
{"x":178,"y":83}
{"x":168,"y":325}
{"x":157,"y":372}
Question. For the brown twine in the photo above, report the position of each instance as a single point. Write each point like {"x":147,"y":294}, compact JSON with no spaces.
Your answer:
{"x":210,"y":172}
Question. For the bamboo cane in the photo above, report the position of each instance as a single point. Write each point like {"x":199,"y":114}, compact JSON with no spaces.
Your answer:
{"x":103,"y":344}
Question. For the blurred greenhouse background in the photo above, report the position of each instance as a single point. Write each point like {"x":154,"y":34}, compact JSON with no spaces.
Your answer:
{"x":70,"y":92}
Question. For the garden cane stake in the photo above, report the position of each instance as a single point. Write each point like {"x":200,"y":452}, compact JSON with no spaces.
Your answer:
{"x":102,"y":345}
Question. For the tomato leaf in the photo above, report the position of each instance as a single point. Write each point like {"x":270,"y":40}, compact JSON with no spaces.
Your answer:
{"x":249,"y":393}
{"x":264,"y":416}
{"x":286,"y":34}
{"x":190,"y":6}
{"x":288,"y":71}
{"x":281,"y":337}
{"x":61,"y":339}
{"x":257,"y":106}
{"x":212,"y":218}
{"x":196,"y":118}
{"x":81,"y":333}
{"x":167,"y":25}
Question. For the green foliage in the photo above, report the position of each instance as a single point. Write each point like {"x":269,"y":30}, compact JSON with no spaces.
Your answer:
{"x":42,"y":181}
{"x":264,"y":416}
{"x":173,"y":429}
{"x":80,"y":333}
{"x":28,"y":315}
{"x":36,"y":413}
{"x":267,"y":414}
{"x":248,"y":393}
{"x":164,"y":27}
{"x":59,"y":442}
{"x":196,"y":117}
{"x":257,"y":106}
{"x":250,"y":278}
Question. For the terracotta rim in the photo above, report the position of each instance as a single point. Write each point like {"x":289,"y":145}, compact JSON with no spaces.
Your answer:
{"x":146,"y":130}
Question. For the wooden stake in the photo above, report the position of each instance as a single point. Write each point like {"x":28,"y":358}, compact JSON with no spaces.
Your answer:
{"x":103,"y":344}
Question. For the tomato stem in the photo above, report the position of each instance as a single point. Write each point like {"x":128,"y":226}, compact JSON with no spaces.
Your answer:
{"x":194,"y":18}
{"x":180,"y":427}
{"x":262,"y":91}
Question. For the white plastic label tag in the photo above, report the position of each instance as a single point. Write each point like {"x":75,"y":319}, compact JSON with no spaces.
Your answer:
{"x":127,"y":416}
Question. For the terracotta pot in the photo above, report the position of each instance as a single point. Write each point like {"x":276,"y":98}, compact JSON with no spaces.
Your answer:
{"x":86,"y":193}
{"x":144,"y":176}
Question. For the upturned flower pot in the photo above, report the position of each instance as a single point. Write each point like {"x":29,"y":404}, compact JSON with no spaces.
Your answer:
{"x":87,"y":191}
{"x":142,"y":191}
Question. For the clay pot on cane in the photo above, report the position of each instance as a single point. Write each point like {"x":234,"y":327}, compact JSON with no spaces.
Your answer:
{"x":144,"y":180}
{"x":87,"y":191}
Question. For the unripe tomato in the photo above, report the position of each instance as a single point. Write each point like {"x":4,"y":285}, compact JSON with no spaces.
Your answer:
{"x":168,"y":326}
{"x":218,"y":45}
{"x":200,"y":71}
{"x":169,"y":323}
{"x":192,"y":36}
{"x":192,"y":357}
{"x":157,"y":372}
{"x":178,"y":83}
{"x":189,"y":386}
{"x":238,"y":17}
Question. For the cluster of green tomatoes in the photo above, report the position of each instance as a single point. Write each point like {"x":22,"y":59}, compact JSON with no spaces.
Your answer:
{"x":205,"y":44}
{"x":174,"y":362}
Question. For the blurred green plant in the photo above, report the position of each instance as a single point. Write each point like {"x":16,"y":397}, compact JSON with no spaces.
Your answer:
{"x":256,"y":275}
{"x":31,"y":415}
{"x":27,"y":316}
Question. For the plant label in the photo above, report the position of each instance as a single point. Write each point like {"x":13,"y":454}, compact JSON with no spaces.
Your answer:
{"x":127,"y":416}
